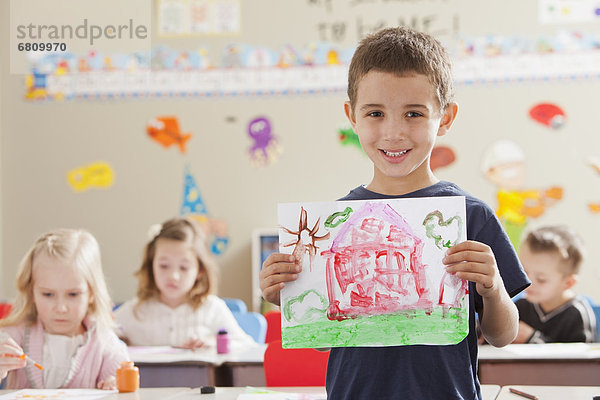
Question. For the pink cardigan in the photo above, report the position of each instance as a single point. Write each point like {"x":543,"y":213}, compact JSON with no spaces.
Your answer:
{"x":96,"y":360}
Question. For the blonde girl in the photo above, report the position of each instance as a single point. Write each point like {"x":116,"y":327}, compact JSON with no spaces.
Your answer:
{"x":175,"y":304}
{"x":61,"y":318}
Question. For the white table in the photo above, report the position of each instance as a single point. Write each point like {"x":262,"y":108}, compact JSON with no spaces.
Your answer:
{"x":562,"y":364}
{"x":231,"y":393}
{"x":489,"y":392}
{"x":163,"y":366}
{"x":143,"y":394}
{"x":551,"y":392}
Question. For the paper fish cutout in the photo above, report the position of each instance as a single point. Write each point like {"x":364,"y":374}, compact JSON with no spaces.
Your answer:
{"x":97,"y":175}
{"x":548,"y":114}
{"x":441,"y":156}
{"x":165,"y":131}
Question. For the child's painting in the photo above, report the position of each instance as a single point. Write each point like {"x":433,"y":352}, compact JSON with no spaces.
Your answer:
{"x":372,"y":273}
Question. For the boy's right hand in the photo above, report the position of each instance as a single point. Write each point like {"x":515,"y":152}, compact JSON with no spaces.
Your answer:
{"x":9,"y":355}
{"x":277,"y":269}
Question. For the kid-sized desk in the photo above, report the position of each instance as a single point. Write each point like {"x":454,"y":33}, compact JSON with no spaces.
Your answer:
{"x":141,"y":394}
{"x":489,"y":392}
{"x":551,"y":392}
{"x":163,"y":366}
{"x":562,"y":364}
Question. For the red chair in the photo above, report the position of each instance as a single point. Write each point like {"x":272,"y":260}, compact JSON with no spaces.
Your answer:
{"x":273,"y":326}
{"x":5,"y":309}
{"x":294,"y":367}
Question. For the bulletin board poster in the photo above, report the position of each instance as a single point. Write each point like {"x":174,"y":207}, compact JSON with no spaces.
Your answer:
{"x":372,"y":273}
{"x":181,"y":18}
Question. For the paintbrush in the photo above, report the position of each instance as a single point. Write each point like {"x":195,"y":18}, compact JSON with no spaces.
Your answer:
{"x":24,"y":357}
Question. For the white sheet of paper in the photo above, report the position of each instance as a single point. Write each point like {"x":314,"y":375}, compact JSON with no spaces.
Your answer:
{"x":372,"y":273}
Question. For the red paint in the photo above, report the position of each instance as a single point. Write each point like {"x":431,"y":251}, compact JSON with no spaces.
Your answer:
{"x":374,"y":266}
{"x":459,"y":287}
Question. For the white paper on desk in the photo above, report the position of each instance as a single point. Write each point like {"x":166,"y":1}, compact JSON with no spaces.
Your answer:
{"x":167,"y":354}
{"x":372,"y":273}
{"x":55,"y":394}
{"x":554,"y":350}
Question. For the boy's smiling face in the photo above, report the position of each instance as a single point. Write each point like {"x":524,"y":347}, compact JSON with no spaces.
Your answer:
{"x":397,"y":119}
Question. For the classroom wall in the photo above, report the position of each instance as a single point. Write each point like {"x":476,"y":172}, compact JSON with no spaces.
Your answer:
{"x":2,"y":46}
{"x":42,"y":141}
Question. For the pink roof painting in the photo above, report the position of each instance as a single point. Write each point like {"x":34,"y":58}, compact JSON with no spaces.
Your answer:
{"x":374,"y":265}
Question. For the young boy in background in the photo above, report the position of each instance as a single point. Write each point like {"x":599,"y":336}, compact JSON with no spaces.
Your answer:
{"x":400,"y":99}
{"x":551,"y":312}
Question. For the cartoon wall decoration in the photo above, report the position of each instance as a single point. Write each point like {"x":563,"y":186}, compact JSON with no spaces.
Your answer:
{"x":503,"y":165}
{"x":372,"y":273}
{"x":193,"y":206}
{"x":549,"y":115}
{"x":441,"y":156}
{"x":36,"y":86}
{"x":98,"y":175}
{"x":347,"y":137}
{"x":568,"y":11}
{"x":165,"y":131}
{"x":594,"y":161}
{"x":305,"y":68}
{"x":265,"y":148}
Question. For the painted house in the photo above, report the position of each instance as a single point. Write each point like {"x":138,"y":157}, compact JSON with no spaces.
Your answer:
{"x":374,"y":265}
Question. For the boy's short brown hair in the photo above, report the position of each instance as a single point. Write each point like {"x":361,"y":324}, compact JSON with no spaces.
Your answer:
{"x":561,"y":239}
{"x":400,"y":51}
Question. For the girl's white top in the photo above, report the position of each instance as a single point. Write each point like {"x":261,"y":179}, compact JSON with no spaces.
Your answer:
{"x":58,"y":352}
{"x":156,"y":324}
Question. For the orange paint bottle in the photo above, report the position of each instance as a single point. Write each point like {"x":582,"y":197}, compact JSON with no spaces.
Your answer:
{"x":128,"y":377}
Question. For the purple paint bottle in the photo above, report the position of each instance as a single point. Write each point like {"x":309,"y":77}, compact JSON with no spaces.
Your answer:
{"x":222,"y":342}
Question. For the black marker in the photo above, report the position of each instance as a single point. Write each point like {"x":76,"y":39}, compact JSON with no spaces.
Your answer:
{"x":207,"y":389}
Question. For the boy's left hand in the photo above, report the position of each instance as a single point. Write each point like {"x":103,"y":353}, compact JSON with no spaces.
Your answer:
{"x":475,"y":262}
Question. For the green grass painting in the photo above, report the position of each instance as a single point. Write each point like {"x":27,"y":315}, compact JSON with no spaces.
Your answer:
{"x":406,"y":328}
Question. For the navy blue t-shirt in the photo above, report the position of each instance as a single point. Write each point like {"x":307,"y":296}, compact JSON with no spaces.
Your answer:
{"x":425,"y":371}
